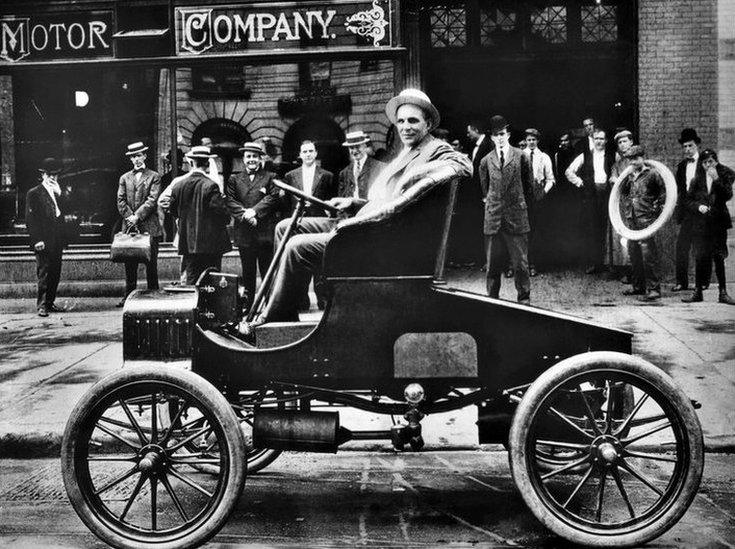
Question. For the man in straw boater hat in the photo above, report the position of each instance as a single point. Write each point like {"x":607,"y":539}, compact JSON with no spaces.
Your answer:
{"x":422,"y":163}
{"x":356,"y":178}
{"x":45,"y":222}
{"x":137,"y":196}
{"x":199,"y":205}
{"x":253,"y":200}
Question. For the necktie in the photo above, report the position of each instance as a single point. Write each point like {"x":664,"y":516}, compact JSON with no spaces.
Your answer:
{"x":357,"y":171}
{"x":532,"y":158}
{"x":502,"y":158}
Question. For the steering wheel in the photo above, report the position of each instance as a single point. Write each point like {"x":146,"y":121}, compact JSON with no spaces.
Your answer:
{"x":307,"y":197}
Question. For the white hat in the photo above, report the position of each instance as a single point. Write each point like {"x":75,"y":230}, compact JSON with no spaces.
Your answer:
{"x":200,"y":151}
{"x":136,"y":148}
{"x":356,"y":138}
{"x":412,"y":96}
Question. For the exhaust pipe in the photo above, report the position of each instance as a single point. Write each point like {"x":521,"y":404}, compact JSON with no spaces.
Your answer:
{"x":295,"y":430}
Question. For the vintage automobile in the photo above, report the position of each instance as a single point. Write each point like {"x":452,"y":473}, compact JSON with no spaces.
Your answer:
{"x":604,"y":448}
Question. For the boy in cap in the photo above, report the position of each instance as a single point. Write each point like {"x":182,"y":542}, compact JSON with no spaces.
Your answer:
{"x":543,"y":182}
{"x":706,"y":202}
{"x":45,"y":222}
{"x":646,"y":193}
{"x":137,"y":196}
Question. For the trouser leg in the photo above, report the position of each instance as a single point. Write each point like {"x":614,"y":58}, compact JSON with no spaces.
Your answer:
{"x":198,"y":263}
{"x":131,"y":276}
{"x":497,"y":259}
{"x":151,"y":268}
{"x":649,"y":253}
{"x":42,"y":269}
{"x":517,"y":246}
{"x":702,"y":261}
{"x":302,"y":256}
{"x":54,"y":275}
{"x":248,"y":264}
{"x":683,"y":245}
{"x":719,"y":254}
{"x":636,"y":264}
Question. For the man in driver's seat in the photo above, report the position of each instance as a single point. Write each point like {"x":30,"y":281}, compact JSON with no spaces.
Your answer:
{"x":422,"y":163}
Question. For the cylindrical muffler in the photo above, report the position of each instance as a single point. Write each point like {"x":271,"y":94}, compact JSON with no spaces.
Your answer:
{"x":295,"y":430}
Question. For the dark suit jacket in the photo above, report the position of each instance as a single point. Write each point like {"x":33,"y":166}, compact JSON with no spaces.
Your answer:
{"x":322,"y":187}
{"x":510,"y":190}
{"x":483,"y":150}
{"x":682,"y":213}
{"x":370,"y":170}
{"x":203,"y":216}
{"x":41,"y":220}
{"x":259,"y":194}
{"x":718,"y":218}
{"x":140,"y":198}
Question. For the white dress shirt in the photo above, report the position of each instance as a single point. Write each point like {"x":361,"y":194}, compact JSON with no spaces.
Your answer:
{"x":477,"y":145}
{"x":542,"y":169}
{"x":598,"y":163}
{"x":53,"y":191}
{"x":691,"y":170}
{"x":356,"y":171}
{"x":307,"y":177}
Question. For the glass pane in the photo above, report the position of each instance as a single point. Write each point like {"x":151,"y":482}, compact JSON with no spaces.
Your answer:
{"x":599,"y":24}
{"x":498,"y":26}
{"x":448,"y":27}
{"x":550,"y":24}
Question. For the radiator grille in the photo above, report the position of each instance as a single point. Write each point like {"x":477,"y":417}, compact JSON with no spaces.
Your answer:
{"x":162,"y":338}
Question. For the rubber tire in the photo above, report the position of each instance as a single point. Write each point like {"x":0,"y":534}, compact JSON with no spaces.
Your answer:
{"x":613,"y":205}
{"x":584,"y":363}
{"x":211,"y":398}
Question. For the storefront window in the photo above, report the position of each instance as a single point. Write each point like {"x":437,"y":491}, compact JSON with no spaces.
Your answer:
{"x":498,"y":26}
{"x":550,"y":24}
{"x":599,"y":23}
{"x":448,"y":27}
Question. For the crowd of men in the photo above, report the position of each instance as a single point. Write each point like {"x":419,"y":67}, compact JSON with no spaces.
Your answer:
{"x":501,"y":203}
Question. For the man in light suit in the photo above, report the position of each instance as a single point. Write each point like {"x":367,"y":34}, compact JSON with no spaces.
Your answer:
{"x":252,"y":199}
{"x":137,"y":196}
{"x":355,"y":180}
{"x":507,"y":175}
{"x":422,"y":162}
{"x":45,"y":222}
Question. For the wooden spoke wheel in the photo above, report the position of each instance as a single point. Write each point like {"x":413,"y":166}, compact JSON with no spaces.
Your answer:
{"x":606,"y":450}
{"x":616,"y":219}
{"x":129,"y":470}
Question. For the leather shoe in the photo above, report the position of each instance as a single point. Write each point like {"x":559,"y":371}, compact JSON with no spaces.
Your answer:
{"x":532,"y":271}
{"x":121,"y":303}
{"x":696,"y":297}
{"x":705,"y":286}
{"x":525,"y":302}
{"x":678,"y":288}
{"x":651,"y":295}
{"x":626,"y":280}
{"x":726,"y":299}
{"x":634,"y":291}
{"x":509,"y":273}
{"x":590,"y":270}
{"x":42,"y":311}
{"x":54,"y":309}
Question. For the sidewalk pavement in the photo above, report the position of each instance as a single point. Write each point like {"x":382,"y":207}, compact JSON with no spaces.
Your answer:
{"x":48,"y":363}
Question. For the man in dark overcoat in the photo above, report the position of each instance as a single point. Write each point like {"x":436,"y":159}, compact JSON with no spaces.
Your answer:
{"x":45,"y":223}
{"x":252,"y":200}
{"x":200,"y":207}
{"x":137,"y":202}
{"x":507,"y":175}
{"x":357,"y":177}
{"x":706,"y":203}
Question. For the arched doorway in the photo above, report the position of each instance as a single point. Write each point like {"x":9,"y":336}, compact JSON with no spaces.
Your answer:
{"x":227,"y":136}
{"x":326,"y":135}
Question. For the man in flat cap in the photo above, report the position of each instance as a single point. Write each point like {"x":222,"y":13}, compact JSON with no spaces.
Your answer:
{"x":645,"y":197}
{"x":543,"y":181}
{"x":507,"y":176}
{"x":356,"y":178}
{"x":137,"y":196}
{"x":253,"y":201}
{"x":422,"y":163}
{"x":45,"y":223}
{"x":686,"y":171}
{"x":199,"y":205}
{"x":617,"y":252}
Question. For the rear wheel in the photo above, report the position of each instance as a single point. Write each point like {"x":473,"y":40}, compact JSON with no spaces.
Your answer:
{"x":606,"y":450}
{"x":128,"y":473}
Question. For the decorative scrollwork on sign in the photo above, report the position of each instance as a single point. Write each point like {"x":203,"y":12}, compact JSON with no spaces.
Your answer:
{"x":369,"y":23}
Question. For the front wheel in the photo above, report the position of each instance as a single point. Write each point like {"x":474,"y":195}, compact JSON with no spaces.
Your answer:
{"x":597,"y":470}
{"x":129,"y":471}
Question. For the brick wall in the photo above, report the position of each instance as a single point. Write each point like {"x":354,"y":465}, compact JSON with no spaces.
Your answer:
{"x":678,"y":84}
{"x":726,"y":88}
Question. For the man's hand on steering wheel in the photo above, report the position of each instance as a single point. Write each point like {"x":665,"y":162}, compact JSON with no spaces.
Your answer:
{"x":343,"y":204}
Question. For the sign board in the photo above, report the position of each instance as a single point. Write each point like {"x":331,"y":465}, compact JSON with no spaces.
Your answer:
{"x":239,"y":28}
{"x":44,"y":37}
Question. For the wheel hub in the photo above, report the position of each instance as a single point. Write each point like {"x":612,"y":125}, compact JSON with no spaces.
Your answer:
{"x":151,"y":458}
{"x":606,"y":450}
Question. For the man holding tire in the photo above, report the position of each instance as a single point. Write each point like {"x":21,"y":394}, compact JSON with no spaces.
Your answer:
{"x":645,"y":190}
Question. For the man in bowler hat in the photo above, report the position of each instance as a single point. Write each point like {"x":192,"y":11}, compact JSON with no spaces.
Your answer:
{"x":137,"y":196}
{"x":45,"y":222}
{"x":507,"y":176}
